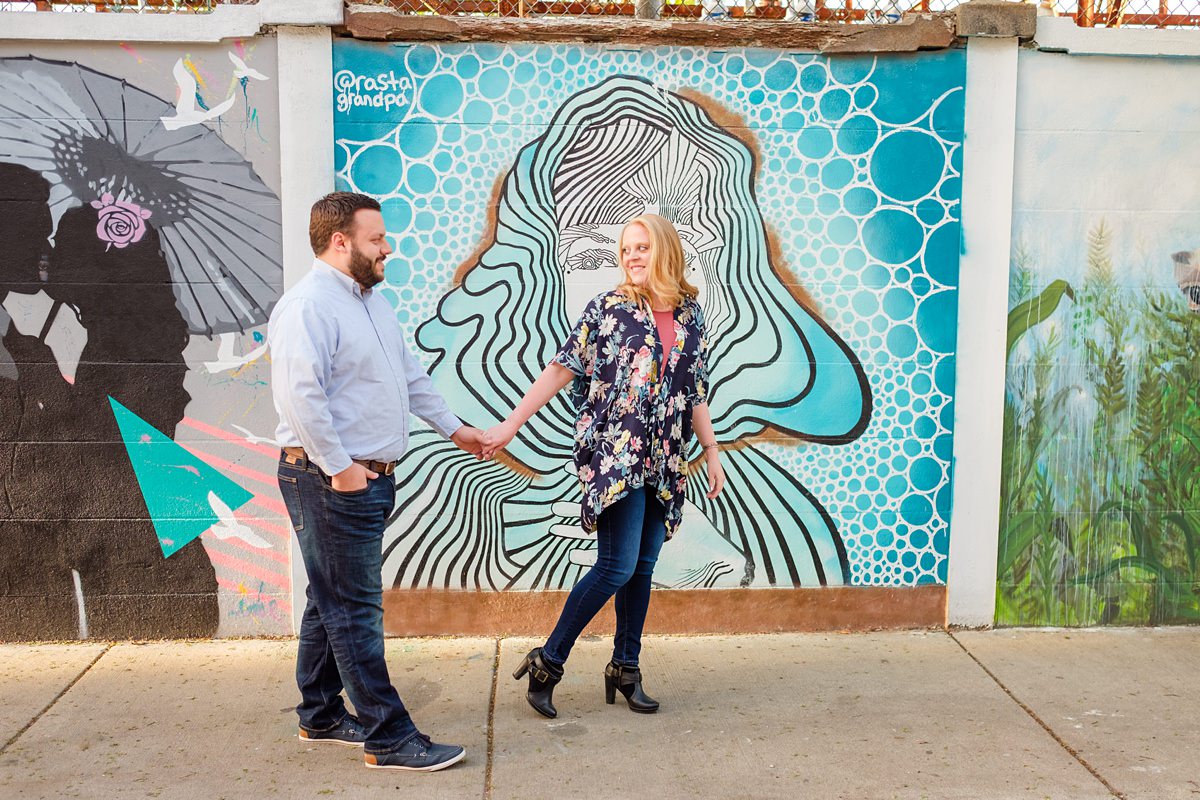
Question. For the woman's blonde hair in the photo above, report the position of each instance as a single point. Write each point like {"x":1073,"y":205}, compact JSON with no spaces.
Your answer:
{"x":665,"y":270}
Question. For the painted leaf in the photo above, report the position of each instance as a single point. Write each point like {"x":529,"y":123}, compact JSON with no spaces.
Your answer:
{"x":1035,"y":310}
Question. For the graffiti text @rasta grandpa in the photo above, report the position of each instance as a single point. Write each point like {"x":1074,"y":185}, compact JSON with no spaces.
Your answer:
{"x":384,"y":90}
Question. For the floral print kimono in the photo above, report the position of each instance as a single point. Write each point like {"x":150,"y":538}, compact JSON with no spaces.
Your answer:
{"x":633,"y":424}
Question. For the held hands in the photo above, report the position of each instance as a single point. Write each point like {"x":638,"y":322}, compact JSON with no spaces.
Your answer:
{"x":498,"y":437}
{"x":352,"y":478}
{"x":484,"y":445}
{"x":716,"y":472}
{"x":469,"y":439}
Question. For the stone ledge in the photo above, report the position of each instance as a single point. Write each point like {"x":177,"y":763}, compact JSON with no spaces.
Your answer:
{"x":924,"y":32}
{"x":997,"y":19}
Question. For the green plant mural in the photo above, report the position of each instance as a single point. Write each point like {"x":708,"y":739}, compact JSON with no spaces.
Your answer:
{"x":1100,"y":496}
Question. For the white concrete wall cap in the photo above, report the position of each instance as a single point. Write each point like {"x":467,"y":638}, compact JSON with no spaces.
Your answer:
{"x":1061,"y":34}
{"x":301,"y":12}
{"x":225,"y":22}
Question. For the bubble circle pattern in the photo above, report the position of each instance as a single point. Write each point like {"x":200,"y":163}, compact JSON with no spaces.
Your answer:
{"x":858,"y":179}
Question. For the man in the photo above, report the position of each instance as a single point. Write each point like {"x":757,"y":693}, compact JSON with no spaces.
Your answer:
{"x":344,"y":384}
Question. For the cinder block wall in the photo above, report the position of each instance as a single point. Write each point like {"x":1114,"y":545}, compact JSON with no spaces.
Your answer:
{"x":852,"y":252}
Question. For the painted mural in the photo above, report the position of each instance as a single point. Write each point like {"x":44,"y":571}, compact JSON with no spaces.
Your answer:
{"x":818,"y":200}
{"x":141,"y":227}
{"x":1101,"y":484}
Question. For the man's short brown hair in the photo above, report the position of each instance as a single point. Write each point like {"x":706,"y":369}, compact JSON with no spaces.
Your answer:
{"x":334,"y":213}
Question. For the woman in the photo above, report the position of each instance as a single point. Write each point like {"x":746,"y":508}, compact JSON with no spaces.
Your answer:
{"x":636,"y":357}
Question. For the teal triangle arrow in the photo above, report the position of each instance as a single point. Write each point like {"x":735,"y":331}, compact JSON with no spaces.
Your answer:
{"x":175,"y":484}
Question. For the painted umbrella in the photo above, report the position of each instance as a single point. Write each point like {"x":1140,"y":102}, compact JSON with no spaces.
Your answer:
{"x":98,"y":140}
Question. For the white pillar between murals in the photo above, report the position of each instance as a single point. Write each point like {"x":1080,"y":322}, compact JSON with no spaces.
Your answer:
{"x":987,"y":196}
{"x":306,"y":173}
{"x":305,"y":137}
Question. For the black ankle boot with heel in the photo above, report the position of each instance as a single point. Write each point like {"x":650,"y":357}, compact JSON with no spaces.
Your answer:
{"x":627,"y":680}
{"x":543,"y":677}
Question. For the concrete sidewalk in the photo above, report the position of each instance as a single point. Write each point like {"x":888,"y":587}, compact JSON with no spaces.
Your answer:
{"x":1009,"y":714}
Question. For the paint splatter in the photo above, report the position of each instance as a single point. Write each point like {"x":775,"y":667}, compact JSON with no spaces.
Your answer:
{"x":132,"y":52}
{"x":192,"y":68}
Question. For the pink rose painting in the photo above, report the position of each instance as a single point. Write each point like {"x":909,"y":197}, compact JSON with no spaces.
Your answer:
{"x":121,"y":223}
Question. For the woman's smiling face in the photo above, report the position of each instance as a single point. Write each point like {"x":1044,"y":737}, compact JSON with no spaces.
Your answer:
{"x":636,"y":251}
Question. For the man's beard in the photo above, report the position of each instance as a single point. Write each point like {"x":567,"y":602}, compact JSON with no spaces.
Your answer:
{"x":362,"y":269}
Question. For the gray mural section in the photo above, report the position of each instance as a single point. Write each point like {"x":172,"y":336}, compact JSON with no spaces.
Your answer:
{"x":141,"y":214}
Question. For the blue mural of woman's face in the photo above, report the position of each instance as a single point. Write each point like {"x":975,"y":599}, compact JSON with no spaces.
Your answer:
{"x":841,"y":171}
{"x":636,"y":149}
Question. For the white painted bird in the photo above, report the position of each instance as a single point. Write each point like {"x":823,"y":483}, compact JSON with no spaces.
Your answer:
{"x":228,"y":527}
{"x":226,"y":359}
{"x":240,"y":70}
{"x":186,"y":110}
{"x":254,"y":438}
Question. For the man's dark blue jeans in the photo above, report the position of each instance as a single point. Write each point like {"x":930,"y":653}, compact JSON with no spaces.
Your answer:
{"x":341,"y":634}
{"x":629,"y":536}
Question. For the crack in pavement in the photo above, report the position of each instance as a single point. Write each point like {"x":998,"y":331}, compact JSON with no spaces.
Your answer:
{"x":491,"y":726}
{"x":57,"y":697}
{"x":1034,"y":716}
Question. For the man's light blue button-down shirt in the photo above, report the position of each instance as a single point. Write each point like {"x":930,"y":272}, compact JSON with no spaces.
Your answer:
{"x":343,"y":380}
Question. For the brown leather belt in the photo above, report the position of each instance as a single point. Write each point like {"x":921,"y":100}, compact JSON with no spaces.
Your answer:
{"x":294,"y":455}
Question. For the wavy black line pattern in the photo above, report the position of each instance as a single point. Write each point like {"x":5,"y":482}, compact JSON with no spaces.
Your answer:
{"x":588,"y":185}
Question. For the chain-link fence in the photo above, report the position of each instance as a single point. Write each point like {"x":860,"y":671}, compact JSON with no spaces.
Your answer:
{"x":1137,"y":13}
{"x":123,"y":6}
{"x":710,"y":10}
{"x":1086,"y":13}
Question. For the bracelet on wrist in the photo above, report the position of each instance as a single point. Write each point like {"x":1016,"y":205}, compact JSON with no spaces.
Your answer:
{"x":712,"y":446}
